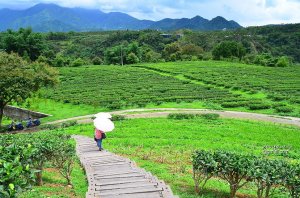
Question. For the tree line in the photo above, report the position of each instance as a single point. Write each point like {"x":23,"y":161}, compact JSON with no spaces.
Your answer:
{"x":257,"y":45}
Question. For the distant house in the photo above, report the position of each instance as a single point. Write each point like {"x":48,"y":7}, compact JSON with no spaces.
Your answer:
{"x":178,"y":36}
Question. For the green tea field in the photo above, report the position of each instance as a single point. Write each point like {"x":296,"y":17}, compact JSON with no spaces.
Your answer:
{"x":164,"y":147}
{"x":205,"y":84}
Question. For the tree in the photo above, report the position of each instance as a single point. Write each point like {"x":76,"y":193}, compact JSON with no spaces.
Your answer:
{"x":192,"y":50}
{"x":97,"y":61}
{"x":78,"y":62}
{"x":172,"y":52}
{"x":228,"y":49}
{"x":132,"y":58}
{"x":24,"y":42}
{"x":19,"y":80}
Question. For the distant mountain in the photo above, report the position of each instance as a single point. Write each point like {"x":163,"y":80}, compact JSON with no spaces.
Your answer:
{"x":196,"y":23}
{"x":51,"y":17}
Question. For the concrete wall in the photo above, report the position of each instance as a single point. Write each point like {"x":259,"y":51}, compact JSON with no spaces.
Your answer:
{"x":22,"y":114}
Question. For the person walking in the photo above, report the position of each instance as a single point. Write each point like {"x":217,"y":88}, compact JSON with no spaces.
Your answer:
{"x":99,"y":136}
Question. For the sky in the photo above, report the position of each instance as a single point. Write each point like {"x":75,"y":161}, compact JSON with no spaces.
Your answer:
{"x":245,"y":12}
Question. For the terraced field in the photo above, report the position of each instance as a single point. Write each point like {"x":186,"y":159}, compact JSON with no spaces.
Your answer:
{"x":204,"y":84}
{"x":276,"y":88}
{"x":115,"y":87}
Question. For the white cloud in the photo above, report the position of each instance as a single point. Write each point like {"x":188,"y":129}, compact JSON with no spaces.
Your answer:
{"x":246,"y":12}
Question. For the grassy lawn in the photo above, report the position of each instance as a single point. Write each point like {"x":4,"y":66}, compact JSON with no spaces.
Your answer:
{"x":164,"y":146}
{"x":60,"y":110}
{"x":55,"y":185}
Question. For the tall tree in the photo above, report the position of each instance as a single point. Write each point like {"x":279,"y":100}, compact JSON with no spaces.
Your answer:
{"x":19,"y":79}
{"x":24,"y":42}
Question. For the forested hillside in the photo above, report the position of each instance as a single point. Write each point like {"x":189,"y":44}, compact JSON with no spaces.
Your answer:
{"x":268,"y":45}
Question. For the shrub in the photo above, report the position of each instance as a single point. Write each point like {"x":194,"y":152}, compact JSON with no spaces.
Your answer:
{"x":265,"y":179}
{"x":181,"y":116}
{"x":97,"y":61}
{"x":233,"y":168}
{"x":132,"y":58}
{"x":114,"y":106}
{"x":238,"y":170}
{"x":78,"y":62}
{"x":204,"y":168}
{"x":210,"y":116}
{"x":284,"y":109}
{"x":48,"y":126}
{"x":277,"y":97}
{"x":68,"y":124}
{"x":283,"y":62}
{"x":228,"y":49}
{"x":233,"y":104}
{"x":258,"y":106}
{"x":16,"y":173}
{"x":292,"y":182}
{"x":118,"y":117}
{"x":22,"y":153}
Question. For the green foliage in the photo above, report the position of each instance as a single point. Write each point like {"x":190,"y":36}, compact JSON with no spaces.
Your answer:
{"x":228,"y":49}
{"x":16,"y":172}
{"x":284,"y":109}
{"x":133,"y":86}
{"x":24,"y":42}
{"x":152,"y":57}
{"x":19,"y":79}
{"x":181,"y":116}
{"x":263,"y":87}
{"x":283,"y":62}
{"x":118,"y":118}
{"x":132,"y":58}
{"x":172,"y":52}
{"x":78,"y":62}
{"x":97,"y":61}
{"x":210,"y":116}
{"x":267,"y":59}
{"x":204,"y":168}
{"x":258,"y":106}
{"x":18,"y":162}
{"x":164,"y":147}
{"x":68,"y":124}
{"x":239,"y":169}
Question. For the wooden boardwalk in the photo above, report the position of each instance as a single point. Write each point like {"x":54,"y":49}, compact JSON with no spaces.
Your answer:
{"x":113,"y":176}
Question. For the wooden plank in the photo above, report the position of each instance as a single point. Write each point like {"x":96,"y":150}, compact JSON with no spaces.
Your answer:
{"x":129,"y":191}
{"x":102,"y":183}
{"x":120,"y":176}
{"x":110,"y":175}
{"x":100,"y":173}
{"x":137,"y":195}
{"x":124,"y":179}
{"x":126,"y":185}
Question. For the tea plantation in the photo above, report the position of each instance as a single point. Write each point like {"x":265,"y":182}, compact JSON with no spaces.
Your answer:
{"x":225,"y":85}
{"x":269,"y":88}
{"x":115,"y":87}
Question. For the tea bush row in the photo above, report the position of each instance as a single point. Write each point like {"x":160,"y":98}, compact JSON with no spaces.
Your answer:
{"x":115,"y":87}
{"x":23,"y":158}
{"x":238,"y":170}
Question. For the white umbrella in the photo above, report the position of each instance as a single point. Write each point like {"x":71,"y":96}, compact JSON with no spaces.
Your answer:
{"x":104,"y":124}
{"x":103,"y":115}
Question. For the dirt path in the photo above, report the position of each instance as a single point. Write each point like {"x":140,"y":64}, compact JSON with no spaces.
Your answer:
{"x":164,"y":112}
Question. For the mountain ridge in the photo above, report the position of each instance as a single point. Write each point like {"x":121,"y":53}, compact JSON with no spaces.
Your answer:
{"x":51,"y":17}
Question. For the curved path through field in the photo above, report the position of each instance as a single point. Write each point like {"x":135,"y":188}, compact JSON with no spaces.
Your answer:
{"x":164,"y":112}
